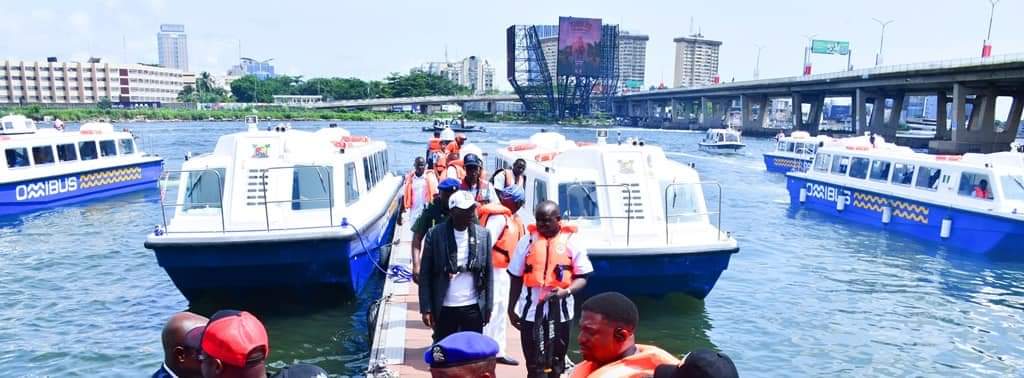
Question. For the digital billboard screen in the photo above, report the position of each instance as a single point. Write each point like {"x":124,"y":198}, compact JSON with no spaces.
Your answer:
{"x":579,"y":46}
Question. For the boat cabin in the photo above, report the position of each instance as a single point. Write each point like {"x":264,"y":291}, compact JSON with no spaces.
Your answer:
{"x":25,"y":148}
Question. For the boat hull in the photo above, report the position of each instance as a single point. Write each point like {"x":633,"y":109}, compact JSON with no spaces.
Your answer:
{"x":656,"y":275}
{"x":240,"y":269}
{"x":722,"y":146}
{"x":455,"y":129}
{"x":783,"y":164}
{"x":48,"y":192}
{"x":970,"y":231}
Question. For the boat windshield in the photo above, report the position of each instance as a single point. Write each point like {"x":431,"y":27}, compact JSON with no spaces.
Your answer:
{"x":682,"y":204}
{"x":724,"y":137}
{"x":204,"y":189}
{"x":578,"y":199}
{"x":1013,"y":187}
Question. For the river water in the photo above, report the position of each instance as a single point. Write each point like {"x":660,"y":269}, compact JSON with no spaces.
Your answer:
{"x":806,"y":295}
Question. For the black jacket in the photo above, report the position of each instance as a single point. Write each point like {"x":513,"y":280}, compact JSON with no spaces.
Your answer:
{"x":437,"y":261}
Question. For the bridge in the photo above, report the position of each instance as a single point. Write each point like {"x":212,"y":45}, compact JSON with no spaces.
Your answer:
{"x":415,"y":101}
{"x":953,"y":84}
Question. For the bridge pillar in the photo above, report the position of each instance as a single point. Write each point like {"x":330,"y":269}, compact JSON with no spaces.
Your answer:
{"x":877,"y":123}
{"x":753,"y":124}
{"x":860,"y":111}
{"x":978,"y":133}
{"x":798,"y":111}
{"x":893,"y":124}
{"x":959,"y":111}
{"x":492,"y":107}
{"x":941,"y":128}
{"x":1016,"y":110}
{"x":814,"y":115}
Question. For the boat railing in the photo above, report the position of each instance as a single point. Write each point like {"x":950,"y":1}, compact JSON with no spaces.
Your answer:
{"x":717,"y":212}
{"x":627,"y":188}
{"x":165,"y":177}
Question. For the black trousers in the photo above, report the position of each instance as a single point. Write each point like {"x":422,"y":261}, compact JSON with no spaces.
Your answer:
{"x":559,"y":346}
{"x":457,"y":319}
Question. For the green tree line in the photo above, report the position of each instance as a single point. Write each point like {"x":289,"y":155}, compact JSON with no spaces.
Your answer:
{"x":251,"y":89}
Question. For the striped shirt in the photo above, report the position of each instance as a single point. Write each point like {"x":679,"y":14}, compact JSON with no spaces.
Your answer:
{"x":529,"y":297}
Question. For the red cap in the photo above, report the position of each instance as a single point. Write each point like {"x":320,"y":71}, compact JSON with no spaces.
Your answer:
{"x":235,"y":338}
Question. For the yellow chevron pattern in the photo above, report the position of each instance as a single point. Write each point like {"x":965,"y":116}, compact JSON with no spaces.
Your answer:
{"x":788,"y":163}
{"x":110,"y":176}
{"x":901,"y":209}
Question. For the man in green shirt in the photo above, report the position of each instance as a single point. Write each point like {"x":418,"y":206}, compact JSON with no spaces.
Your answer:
{"x":435,"y":213}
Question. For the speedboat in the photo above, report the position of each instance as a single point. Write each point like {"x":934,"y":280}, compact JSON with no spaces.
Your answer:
{"x":44,"y":168}
{"x":974,"y":202}
{"x":721,"y":140}
{"x":455,"y":124}
{"x":279,"y":209}
{"x":794,"y":153}
{"x":641,"y":216}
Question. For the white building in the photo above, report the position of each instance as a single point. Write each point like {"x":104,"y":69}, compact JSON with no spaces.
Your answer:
{"x":474,"y":73}
{"x":696,"y":61}
{"x":632,"y":61}
{"x":172,"y":46}
{"x":83,"y":83}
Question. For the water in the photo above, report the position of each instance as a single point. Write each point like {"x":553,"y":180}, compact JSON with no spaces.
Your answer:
{"x":806,"y":296}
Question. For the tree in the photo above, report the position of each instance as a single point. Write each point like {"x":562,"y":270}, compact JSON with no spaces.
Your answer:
{"x":419,"y":84}
{"x":103,"y":103}
{"x":188,"y":94}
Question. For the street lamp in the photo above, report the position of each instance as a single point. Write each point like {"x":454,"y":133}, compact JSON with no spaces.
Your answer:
{"x":986,"y":47}
{"x":881,"y":40}
{"x":757,"y":62}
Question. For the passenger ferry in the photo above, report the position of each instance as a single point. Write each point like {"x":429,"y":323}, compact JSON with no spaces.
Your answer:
{"x":721,"y":140}
{"x":641,"y":216}
{"x":794,"y":153}
{"x":974,"y":202}
{"x":43,"y":168}
{"x":279,"y":208}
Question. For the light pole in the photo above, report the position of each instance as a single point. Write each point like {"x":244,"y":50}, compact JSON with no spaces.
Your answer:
{"x":881,"y":40}
{"x":757,"y":62}
{"x":986,"y":47}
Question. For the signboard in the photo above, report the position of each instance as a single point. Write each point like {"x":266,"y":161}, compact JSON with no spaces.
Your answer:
{"x":579,"y":46}
{"x":820,"y":46}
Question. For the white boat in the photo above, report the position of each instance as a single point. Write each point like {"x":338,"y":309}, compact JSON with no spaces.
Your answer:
{"x":974,"y":202}
{"x":641,"y":216}
{"x":721,"y":140}
{"x":43,"y":168}
{"x":794,"y":152}
{"x":278,"y":208}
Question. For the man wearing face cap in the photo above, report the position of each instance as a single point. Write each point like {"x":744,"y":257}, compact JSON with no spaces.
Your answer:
{"x":474,"y":182}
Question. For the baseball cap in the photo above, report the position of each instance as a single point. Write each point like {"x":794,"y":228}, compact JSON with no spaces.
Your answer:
{"x":234,"y":337}
{"x":513,"y":192}
{"x":449,"y":184}
{"x":460,"y":136}
{"x":461,"y":199}
{"x":471,"y":159}
{"x":701,"y":363}
{"x":460,"y":348}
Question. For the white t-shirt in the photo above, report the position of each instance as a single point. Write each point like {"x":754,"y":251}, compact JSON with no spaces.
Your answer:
{"x":419,"y":191}
{"x":461,"y":291}
{"x":526,"y":306}
{"x":489,"y":195}
{"x":495,"y":224}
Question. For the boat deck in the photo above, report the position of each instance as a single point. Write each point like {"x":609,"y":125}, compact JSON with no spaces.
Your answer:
{"x":400,"y":337}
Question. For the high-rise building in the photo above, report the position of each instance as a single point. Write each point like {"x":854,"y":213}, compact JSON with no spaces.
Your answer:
{"x":696,"y":61}
{"x":248,"y":66}
{"x":172,"y":46}
{"x":474,"y":73}
{"x":53,"y":82}
{"x":632,"y":61}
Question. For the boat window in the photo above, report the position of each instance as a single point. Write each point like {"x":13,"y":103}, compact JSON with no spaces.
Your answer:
{"x":42,"y":155}
{"x":785,"y":146}
{"x":204,"y":189}
{"x":1013,"y":187}
{"x":681,"y":204}
{"x":540,"y":191}
{"x":311,"y":188}
{"x":66,"y":152}
{"x":880,"y":170}
{"x":127,"y":146}
{"x":366,"y":173}
{"x":928,"y":178}
{"x":107,"y":148}
{"x":578,"y":199}
{"x":351,"y":187}
{"x":17,"y":157}
{"x":859,"y":167}
{"x":840,"y":164}
{"x":87,"y":150}
{"x":902,"y":174}
{"x":976,"y":185}
{"x":822,"y":162}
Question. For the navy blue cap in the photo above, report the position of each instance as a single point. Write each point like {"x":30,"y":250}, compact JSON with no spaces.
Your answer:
{"x":460,"y":349}
{"x":449,"y":184}
{"x":471,"y":159}
{"x":701,"y":363}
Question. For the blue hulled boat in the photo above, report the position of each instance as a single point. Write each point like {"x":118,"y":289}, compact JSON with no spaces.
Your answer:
{"x":974,"y":202}
{"x":278,"y":209}
{"x":794,"y":152}
{"x":44,"y":168}
{"x":641,"y":216}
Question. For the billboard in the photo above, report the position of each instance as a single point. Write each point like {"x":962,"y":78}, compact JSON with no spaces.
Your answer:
{"x":579,"y":46}
{"x":821,"y":46}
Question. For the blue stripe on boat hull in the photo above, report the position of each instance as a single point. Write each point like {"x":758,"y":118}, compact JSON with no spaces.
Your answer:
{"x":694,"y":274}
{"x":781,"y":164}
{"x":971,"y":231}
{"x":147,"y":175}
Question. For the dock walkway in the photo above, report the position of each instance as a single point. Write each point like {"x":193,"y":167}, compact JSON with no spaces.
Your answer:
{"x":400,"y":337}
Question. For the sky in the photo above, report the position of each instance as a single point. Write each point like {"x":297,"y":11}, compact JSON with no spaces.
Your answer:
{"x":370,"y":39}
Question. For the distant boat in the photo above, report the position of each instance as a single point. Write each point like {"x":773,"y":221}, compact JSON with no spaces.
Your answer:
{"x":44,"y":168}
{"x":794,"y":152}
{"x":455,"y":124}
{"x":279,"y":208}
{"x":721,"y":140}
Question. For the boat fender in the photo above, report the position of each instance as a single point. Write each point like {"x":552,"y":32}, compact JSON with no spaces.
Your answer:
{"x":803,"y":195}
{"x":840,"y":203}
{"x":522,"y":147}
{"x":947,"y":227}
{"x":158,"y":230}
{"x":886,"y":214}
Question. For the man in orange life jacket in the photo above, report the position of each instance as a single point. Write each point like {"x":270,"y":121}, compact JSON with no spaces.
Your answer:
{"x":513,"y":176}
{"x":456,"y":146}
{"x":474,"y":182}
{"x":420,"y":188}
{"x":607,"y":341}
{"x":552,"y":268}
{"x":454,"y":167}
{"x":506,"y":229}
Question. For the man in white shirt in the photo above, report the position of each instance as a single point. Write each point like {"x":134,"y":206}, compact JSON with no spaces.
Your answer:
{"x":455,"y":285}
{"x":551,"y":267}
{"x":474,"y":182}
{"x":420,"y":188}
{"x":506,"y":229}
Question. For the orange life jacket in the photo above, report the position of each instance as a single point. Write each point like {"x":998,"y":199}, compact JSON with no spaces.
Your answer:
{"x":429,"y":193}
{"x":980,"y":193}
{"x":510,"y":178}
{"x":639,"y":364}
{"x":459,"y":169}
{"x":509,"y":236}
{"x":452,"y":147}
{"x":434,"y":145}
{"x":548,"y":261}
